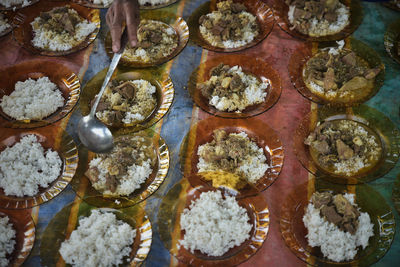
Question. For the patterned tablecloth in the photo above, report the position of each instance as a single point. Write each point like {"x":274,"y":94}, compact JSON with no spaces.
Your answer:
{"x":283,"y":118}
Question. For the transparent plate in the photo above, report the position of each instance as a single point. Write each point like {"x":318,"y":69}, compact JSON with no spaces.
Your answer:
{"x":9,"y":15}
{"x":66,"y":220}
{"x":250,"y":65}
{"x":52,"y":138}
{"x":303,"y":53}
{"x":31,"y":2}
{"x":25,"y":234}
{"x":180,"y":27}
{"x":294,"y":232}
{"x":356,"y":17}
{"x":153,"y":182}
{"x":23,"y":32}
{"x":392,"y":39}
{"x":61,"y":75}
{"x":180,"y":197}
{"x":263,"y":13}
{"x":381,"y":125}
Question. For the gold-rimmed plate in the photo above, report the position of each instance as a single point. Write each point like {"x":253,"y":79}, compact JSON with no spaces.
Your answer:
{"x":392,"y":40}
{"x":49,"y":137}
{"x":19,"y":6}
{"x":23,"y":32}
{"x":83,"y":188}
{"x":177,"y":23}
{"x":368,"y":200}
{"x":265,"y":138}
{"x":304,"y":53}
{"x":259,"y":9}
{"x":180,"y":197}
{"x":164,"y":93}
{"x":61,"y":75}
{"x":66,"y":220}
{"x":376,"y":121}
{"x":281,"y":10}
{"x":9,"y":15}
{"x":24,"y":227}
{"x":250,"y":65}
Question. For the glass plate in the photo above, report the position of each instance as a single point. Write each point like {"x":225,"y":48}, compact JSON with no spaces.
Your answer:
{"x":159,"y":6}
{"x":356,"y":17}
{"x":61,"y":75}
{"x":25,"y":234}
{"x":392,"y":39}
{"x":294,"y":232}
{"x":303,"y":53}
{"x":180,"y":197}
{"x":31,"y":2}
{"x":396,"y":194}
{"x":23,"y":32}
{"x":250,"y":65}
{"x":66,"y":220}
{"x":178,"y":23}
{"x":265,"y":137}
{"x":9,"y":15}
{"x":165,"y":95}
{"x":50,"y":137}
{"x":82,"y":185}
{"x":375,"y":120}
{"x":258,"y":8}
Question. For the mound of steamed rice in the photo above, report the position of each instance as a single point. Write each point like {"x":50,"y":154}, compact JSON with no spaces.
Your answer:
{"x":32,"y":100}
{"x":26,"y":165}
{"x":214,"y":224}
{"x":334,"y":243}
{"x":7,"y":240}
{"x":10,"y":3}
{"x":100,"y":240}
{"x":4,"y":25}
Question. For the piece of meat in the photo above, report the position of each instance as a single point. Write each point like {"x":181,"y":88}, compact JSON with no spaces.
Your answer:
{"x":111,"y":183}
{"x":330,"y":214}
{"x":236,"y":84}
{"x":202,"y":19}
{"x":349,"y":227}
{"x":238,"y":7}
{"x":102,"y":106}
{"x":322,"y":147}
{"x":145,"y":44}
{"x":155,"y":37}
{"x":45,"y":16}
{"x":329,"y":79}
{"x":354,"y":84}
{"x":217,"y":30}
{"x":331,"y":17}
{"x":128,"y":91}
{"x":344,"y":151}
{"x":321,"y":199}
{"x":66,"y":22}
{"x":371,"y":73}
{"x":350,"y":59}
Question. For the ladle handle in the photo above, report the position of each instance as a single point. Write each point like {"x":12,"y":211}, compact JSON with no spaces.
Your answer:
{"x":111,"y":69}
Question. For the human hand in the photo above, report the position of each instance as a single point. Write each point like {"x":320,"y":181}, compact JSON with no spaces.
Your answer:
{"x":120,"y":12}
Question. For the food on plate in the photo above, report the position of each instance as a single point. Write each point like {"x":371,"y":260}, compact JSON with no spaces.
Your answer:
{"x":156,"y":40}
{"x":102,"y":2}
{"x":11,"y":3}
{"x":26,"y":166}
{"x":230,"y":26}
{"x":339,"y":74}
{"x":336,"y":225}
{"x":32,"y":99}
{"x":344,"y":147}
{"x":125,"y":168}
{"x":318,"y":18}
{"x":233,"y":153}
{"x":7,"y":240}
{"x":60,"y":29}
{"x":4,"y":24}
{"x":396,"y":2}
{"x":127,"y":102}
{"x":100,"y":240}
{"x":213,"y":224}
{"x":231,"y":89}
{"x":153,"y":2}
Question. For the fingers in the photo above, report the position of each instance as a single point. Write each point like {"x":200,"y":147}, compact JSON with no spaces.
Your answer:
{"x":132,"y":23}
{"x":114,"y":19}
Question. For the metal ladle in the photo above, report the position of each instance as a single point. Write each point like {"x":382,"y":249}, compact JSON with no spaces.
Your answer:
{"x":93,"y":133}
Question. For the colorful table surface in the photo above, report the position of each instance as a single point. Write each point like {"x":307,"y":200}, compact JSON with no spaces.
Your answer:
{"x":283,"y":118}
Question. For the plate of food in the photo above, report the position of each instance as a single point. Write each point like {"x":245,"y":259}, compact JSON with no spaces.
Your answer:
{"x":83,"y":235}
{"x":340,"y":75}
{"x":37,"y":93}
{"x":228,"y":26}
{"x":392,"y":40}
{"x":337,"y":225}
{"x":154,"y":4}
{"x":18,"y":236}
{"x":6,"y":22}
{"x":318,"y":21}
{"x":393,"y":4}
{"x":161,"y":37}
{"x":94,"y":3}
{"x":190,"y":217}
{"x":131,"y":172}
{"x":244,"y":155}
{"x":16,"y":4}
{"x":35,"y":166}
{"x":133,"y":100}
{"x":347,"y":147}
{"x":235,"y":86}
{"x":56,"y":28}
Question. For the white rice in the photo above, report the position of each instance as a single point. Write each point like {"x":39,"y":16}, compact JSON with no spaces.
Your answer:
{"x":32,"y":100}
{"x":336,"y":244}
{"x":214,"y":225}
{"x":4,"y":25}
{"x":26,"y":165}
{"x":153,"y":2}
{"x":100,"y":240}
{"x":103,"y":2}
{"x":7,"y":240}
{"x":10,"y":3}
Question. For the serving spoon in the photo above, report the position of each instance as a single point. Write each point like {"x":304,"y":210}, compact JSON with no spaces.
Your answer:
{"x":93,"y":133}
